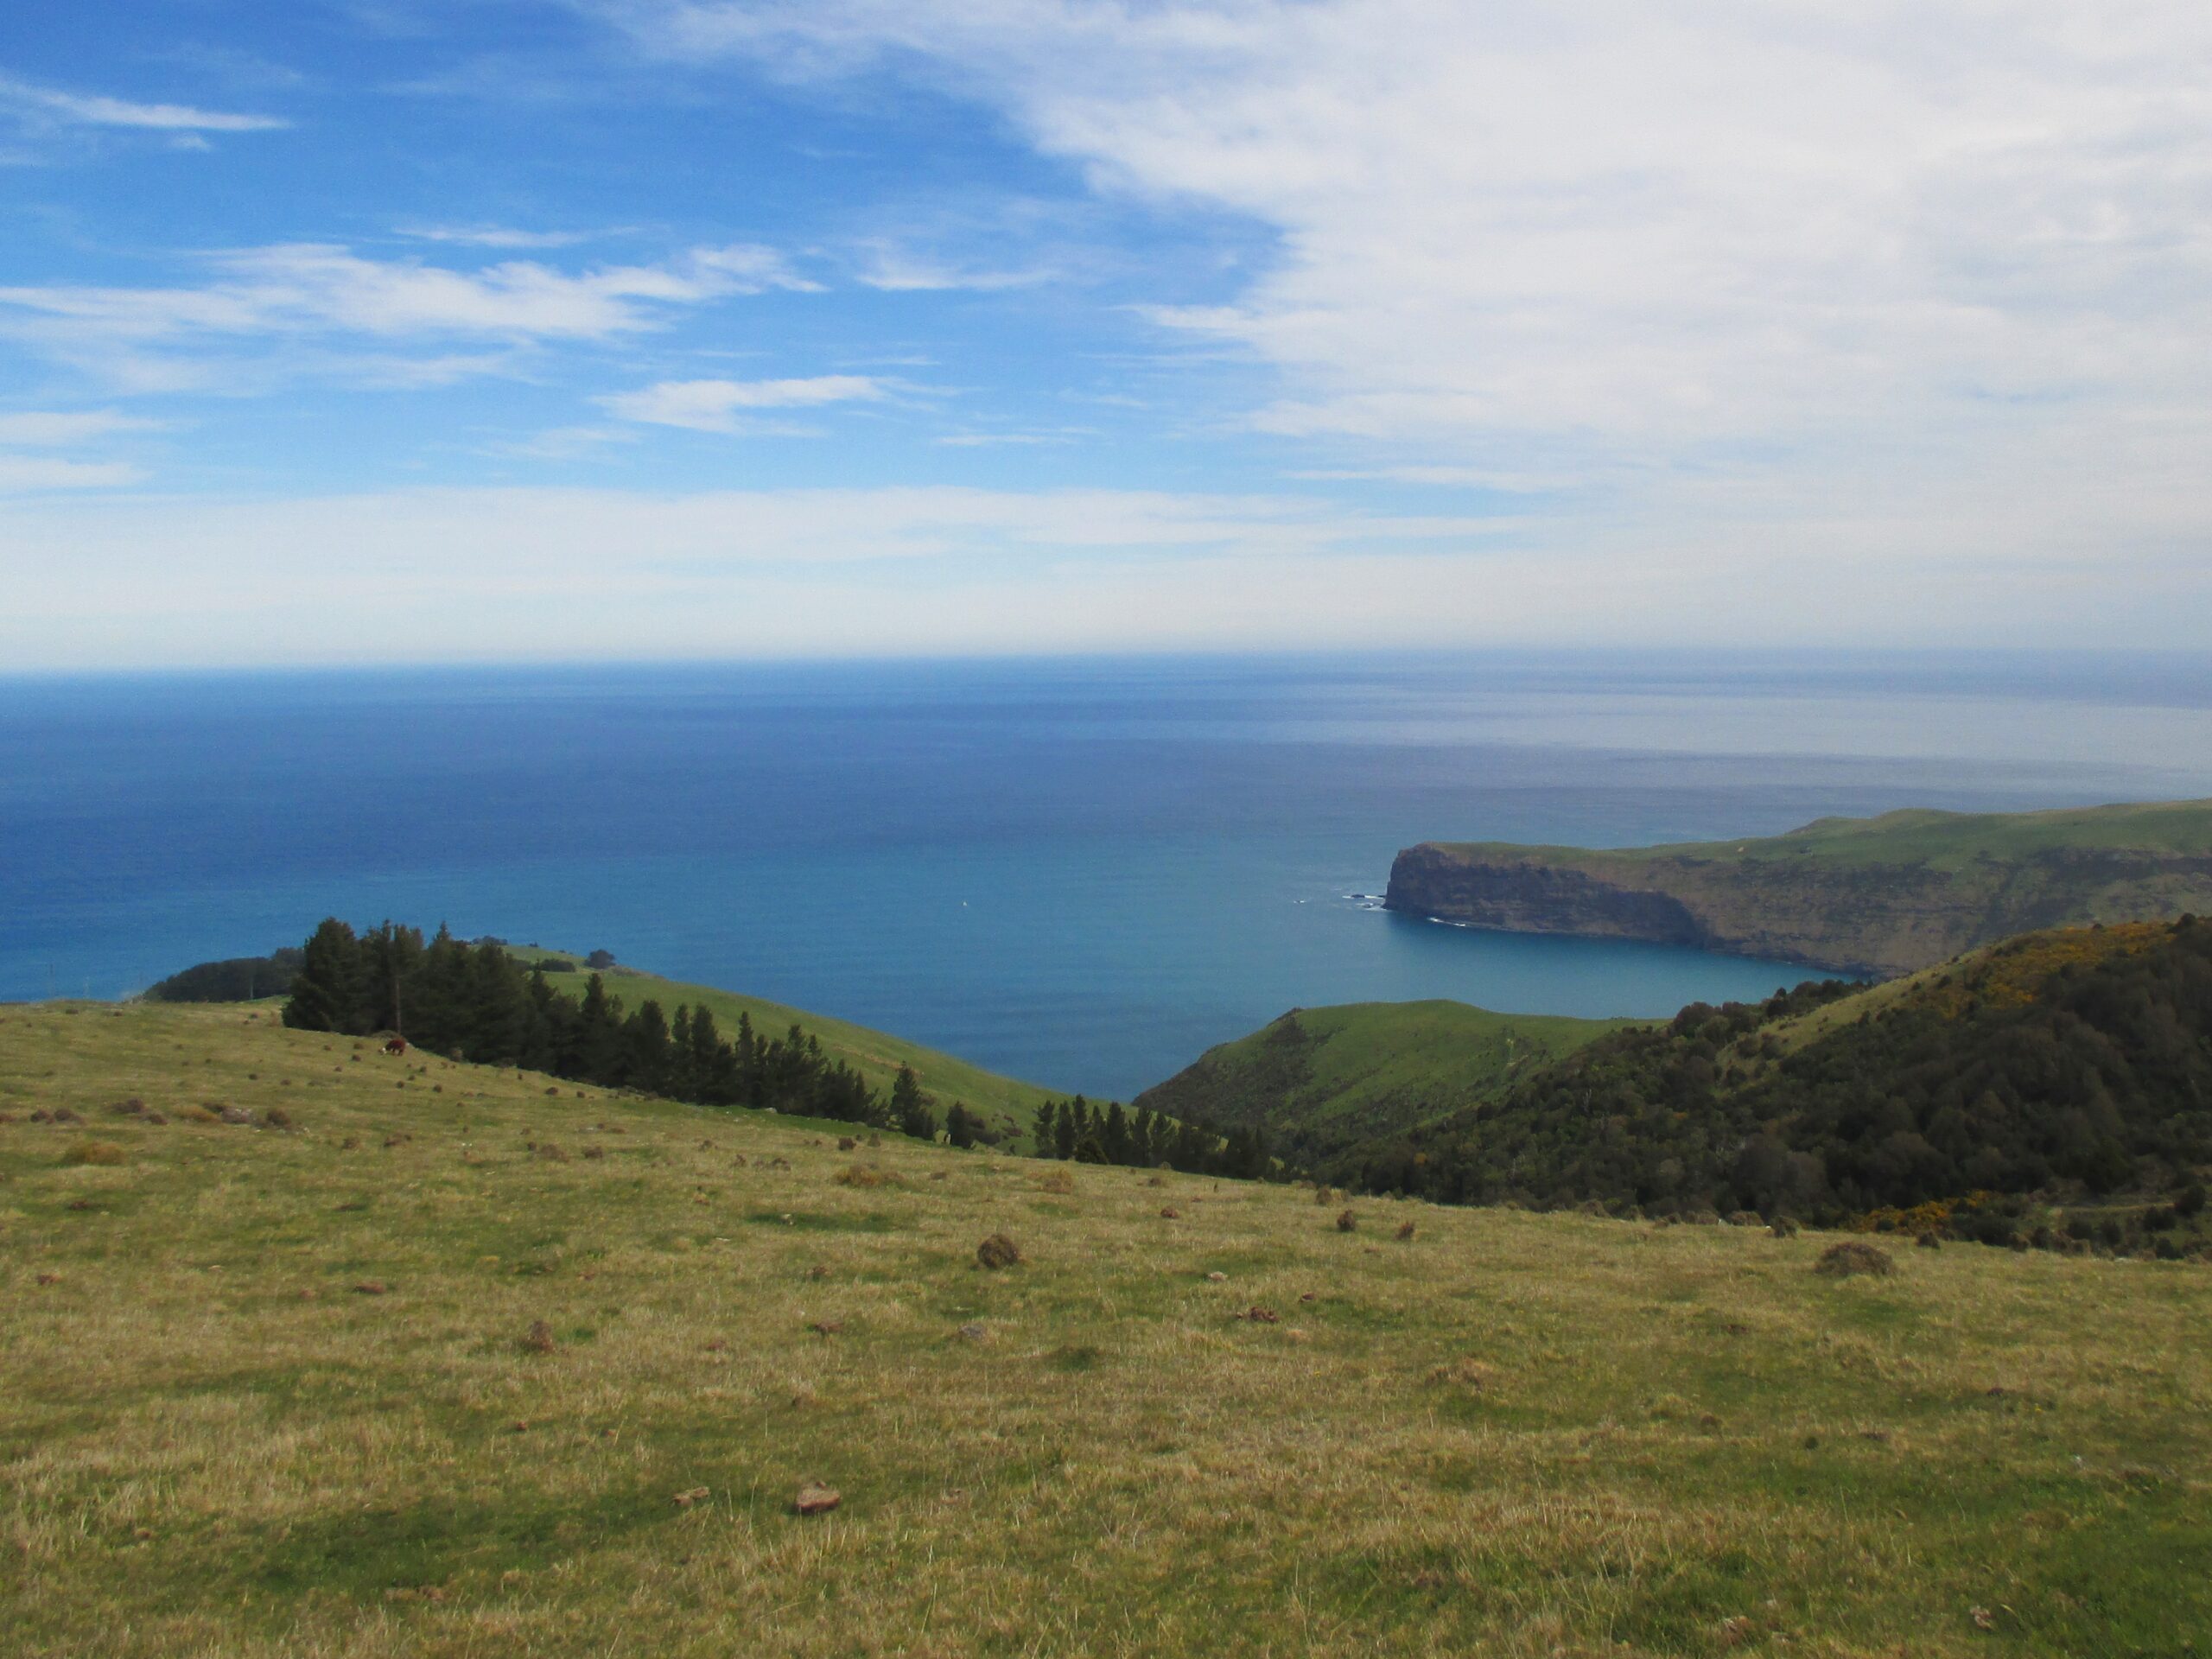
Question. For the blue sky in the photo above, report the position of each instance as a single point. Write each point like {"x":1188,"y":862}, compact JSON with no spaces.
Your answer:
{"x":485,"y":329}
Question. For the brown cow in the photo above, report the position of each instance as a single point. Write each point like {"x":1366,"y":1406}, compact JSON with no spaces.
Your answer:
{"x":395,"y":1045}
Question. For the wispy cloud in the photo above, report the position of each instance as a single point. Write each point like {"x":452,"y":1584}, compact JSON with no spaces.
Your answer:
{"x":22,"y":474}
{"x":94,"y":109}
{"x":721,"y":405}
{"x":42,"y":428}
{"x":499,"y":236}
{"x":892,"y":270}
{"x":309,"y":293}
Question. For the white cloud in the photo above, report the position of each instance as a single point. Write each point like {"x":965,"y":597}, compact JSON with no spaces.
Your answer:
{"x":1683,"y":256}
{"x":143,"y":338}
{"x":39,"y":473}
{"x":720,"y":405}
{"x":97,"y":111}
{"x":895,"y":269}
{"x":41,"y":428}
{"x":499,"y":235}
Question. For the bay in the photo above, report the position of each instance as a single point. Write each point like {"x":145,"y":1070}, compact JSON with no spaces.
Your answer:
{"x":1082,"y":872}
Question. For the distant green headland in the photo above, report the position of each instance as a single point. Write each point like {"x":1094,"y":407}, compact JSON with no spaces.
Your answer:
{"x":1878,"y":896}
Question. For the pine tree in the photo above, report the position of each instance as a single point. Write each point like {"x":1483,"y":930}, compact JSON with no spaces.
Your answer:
{"x":1043,"y":1143}
{"x":647,"y":1051}
{"x":962,"y":1127}
{"x":1113,"y":1134}
{"x":599,"y":1036}
{"x":910,"y":1112}
{"x":328,"y":988}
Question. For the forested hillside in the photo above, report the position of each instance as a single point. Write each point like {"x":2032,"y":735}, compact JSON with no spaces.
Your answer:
{"x":2076,"y":1062}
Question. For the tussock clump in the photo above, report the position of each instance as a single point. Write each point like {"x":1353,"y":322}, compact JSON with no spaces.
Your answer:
{"x":1405,"y":1232}
{"x":1746,"y":1219}
{"x":1156,"y":1180}
{"x":104,"y":1153}
{"x":1854,"y":1256}
{"x":133,"y":1107}
{"x":551,"y":1152}
{"x":866,"y":1175}
{"x":277,"y":1118}
{"x":1347,"y":1222}
{"x":1784,"y":1227}
{"x":1324,"y":1197}
{"x":1465,"y":1372}
{"x":1927,"y":1242}
{"x":846,"y":1143}
{"x":540,"y":1337}
{"x":594,"y":1153}
{"x":61,"y":1115}
{"x":1169,"y":1212}
{"x":236,"y":1114}
{"x":998,"y":1251}
{"x":1057,"y":1180}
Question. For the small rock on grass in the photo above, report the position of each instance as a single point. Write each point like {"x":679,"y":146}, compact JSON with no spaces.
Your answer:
{"x":814,"y":1499}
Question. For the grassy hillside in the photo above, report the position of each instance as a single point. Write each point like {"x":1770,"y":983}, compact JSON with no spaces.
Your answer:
{"x":1008,"y":1102}
{"x":1945,"y":841}
{"x":455,"y":1366}
{"x":1884,"y":895}
{"x":1318,"y":1078}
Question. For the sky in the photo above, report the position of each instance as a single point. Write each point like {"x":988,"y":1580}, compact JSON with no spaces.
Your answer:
{"x":359,"y":331}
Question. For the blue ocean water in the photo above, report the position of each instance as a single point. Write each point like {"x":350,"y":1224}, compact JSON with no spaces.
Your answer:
{"x":1080,"y":872}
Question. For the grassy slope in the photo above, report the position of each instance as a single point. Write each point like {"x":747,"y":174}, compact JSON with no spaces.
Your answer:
{"x":1943,"y":841}
{"x":877,"y":1056}
{"x":1667,"y":1441}
{"x":1368,"y":1068}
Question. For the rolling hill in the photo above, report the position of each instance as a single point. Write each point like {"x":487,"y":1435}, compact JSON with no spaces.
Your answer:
{"x":1319,"y":1079}
{"x":311,"y":1351}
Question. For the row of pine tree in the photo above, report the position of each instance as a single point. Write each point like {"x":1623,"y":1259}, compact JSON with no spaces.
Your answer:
{"x":1076,"y":1130}
{"x":477,"y":1001}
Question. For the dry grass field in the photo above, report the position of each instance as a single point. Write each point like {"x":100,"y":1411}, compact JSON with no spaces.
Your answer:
{"x":464,"y":1362}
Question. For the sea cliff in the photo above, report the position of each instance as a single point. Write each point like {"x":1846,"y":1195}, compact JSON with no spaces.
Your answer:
{"x":1877,"y":896}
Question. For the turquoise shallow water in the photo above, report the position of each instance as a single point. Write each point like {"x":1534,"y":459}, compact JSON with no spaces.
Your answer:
{"x":1082,"y":872}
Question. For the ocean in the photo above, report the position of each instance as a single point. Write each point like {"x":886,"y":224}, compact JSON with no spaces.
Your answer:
{"x":1080,"y":872}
